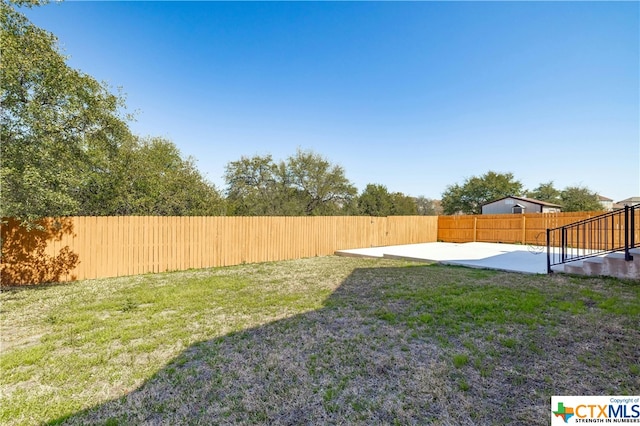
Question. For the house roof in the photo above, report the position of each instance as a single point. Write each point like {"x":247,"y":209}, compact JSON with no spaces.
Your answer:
{"x":601,"y":198}
{"x":630,"y":200}
{"x":529,"y":200}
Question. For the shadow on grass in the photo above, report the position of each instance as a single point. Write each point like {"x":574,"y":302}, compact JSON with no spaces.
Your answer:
{"x":368,"y":356}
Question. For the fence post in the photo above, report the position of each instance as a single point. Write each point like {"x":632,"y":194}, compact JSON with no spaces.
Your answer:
{"x":475,"y":224}
{"x":524,"y":229}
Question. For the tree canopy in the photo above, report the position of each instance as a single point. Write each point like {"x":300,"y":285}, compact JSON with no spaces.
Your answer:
{"x":403,"y":205}
{"x":572,"y":198}
{"x":469,"y":197}
{"x":258,"y":186}
{"x":323,"y":187}
{"x":579,"y":198}
{"x":375,"y":200}
{"x":66,"y":145}
{"x":546,"y":192}
{"x":305,"y":184}
{"x":150,"y":177}
{"x":56,"y":122}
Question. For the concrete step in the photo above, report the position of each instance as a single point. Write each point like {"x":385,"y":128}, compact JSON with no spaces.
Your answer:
{"x":615,"y":265}
{"x":612,"y":264}
{"x":574,"y":267}
{"x":594,"y":266}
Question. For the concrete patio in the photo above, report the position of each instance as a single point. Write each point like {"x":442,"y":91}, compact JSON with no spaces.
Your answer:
{"x":504,"y":257}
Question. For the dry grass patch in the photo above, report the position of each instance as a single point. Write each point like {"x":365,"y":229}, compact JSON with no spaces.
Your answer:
{"x":324,"y":340}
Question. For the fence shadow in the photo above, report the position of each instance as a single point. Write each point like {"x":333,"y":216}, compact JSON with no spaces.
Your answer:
{"x":26,"y":258}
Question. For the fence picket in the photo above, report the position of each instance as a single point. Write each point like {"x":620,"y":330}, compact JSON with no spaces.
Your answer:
{"x":527,"y":228}
{"x":109,"y":246}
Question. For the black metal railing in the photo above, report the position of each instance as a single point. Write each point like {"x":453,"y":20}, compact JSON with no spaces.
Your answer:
{"x":607,"y":233}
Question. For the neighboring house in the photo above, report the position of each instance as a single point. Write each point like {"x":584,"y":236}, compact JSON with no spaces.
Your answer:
{"x":631,"y":201}
{"x":607,"y":203}
{"x":511,"y":204}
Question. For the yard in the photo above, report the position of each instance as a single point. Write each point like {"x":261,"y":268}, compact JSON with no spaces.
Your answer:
{"x":321,"y":340}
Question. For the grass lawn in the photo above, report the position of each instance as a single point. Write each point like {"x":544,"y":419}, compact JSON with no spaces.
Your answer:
{"x":315,"y":341}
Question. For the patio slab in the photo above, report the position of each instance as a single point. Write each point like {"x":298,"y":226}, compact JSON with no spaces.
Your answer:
{"x":504,"y":257}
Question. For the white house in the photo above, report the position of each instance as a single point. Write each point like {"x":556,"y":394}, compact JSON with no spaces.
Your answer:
{"x":511,"y":204}
{"x":607,"y":203}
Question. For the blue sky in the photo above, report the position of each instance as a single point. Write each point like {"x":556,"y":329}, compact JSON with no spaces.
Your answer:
{"x":412,"y":95}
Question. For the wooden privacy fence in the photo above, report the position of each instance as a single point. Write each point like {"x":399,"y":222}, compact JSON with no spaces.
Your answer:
{"x":70,"y":248}
{"x":529,"y":228}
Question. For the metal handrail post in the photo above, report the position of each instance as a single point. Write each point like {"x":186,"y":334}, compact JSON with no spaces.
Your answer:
{"x":627,"y":254}
{"x":563,"y":243}
{"x":548,"y":251}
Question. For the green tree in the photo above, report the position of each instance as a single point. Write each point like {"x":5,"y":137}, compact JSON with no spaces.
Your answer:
{"x":27,"y":3}
{"x":57,"y":125}
{"x":322,"y":187}
{"x":579,"y":198}
{"x":375,"y":200}
{"x":546,"y":192}
{"x":149,"y":177}
{"x":306,"y":184}
{"x":469,"y":197}
{"x":403,"y":205}
{"x":168,"y":184}
{"x":257,"y":186}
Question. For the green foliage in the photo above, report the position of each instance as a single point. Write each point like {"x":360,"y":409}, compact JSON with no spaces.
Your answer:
{"x":546,"y":192}
{"x":322,"y":187}
{"x":403,"y":205}
{"x":572,"y":198}
{"x":28,"y":3}
{"x":579,"y":198}
{"x":258,"y":186}
{"x":469,"y":197}
{"x":306,"y":184}
{"x":55,"y":122}
{"x":375,"y":200}
{"x":149,"y":177}
{"x":66,"y":146}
